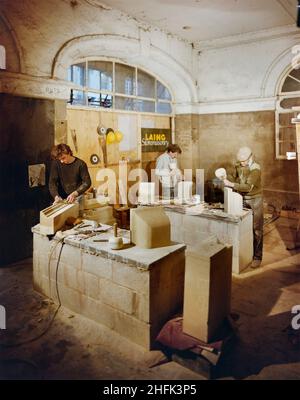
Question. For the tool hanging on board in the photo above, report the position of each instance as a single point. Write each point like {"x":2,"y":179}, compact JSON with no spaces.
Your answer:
{"x":101,"y":130}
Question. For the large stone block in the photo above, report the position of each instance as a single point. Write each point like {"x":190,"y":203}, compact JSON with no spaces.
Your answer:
{"x":97,"y":311}
{"x":81,"y":282}
{"x":166,"y":288}
{"x":130,"y":277}
{"x":56,"y":270}
{"x":207,"y":290}
{"x":133,"y":329}
{"x":70,"y":277}
{"x":70,"y":298}
{"x":150,"y":227}
{"x":142,"y":308}
{"x":117,"y":296}
{"x":92,"y":286}
{"x":41,"y":244}
{"x":71,"y":255}
{"x":97,"y":265}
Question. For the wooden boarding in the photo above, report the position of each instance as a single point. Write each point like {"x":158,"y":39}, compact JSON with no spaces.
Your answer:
{"x":54,"y":217}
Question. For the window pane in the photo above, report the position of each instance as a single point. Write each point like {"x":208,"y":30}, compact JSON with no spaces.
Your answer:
{"x":78,"y":74}
{"x":164,"y":108}
{"x":124,"y":103}
{"x":78,"y":97}
{"x":94,"y":99}
{"x":145,"y":106}
{"x":287,"y":134}
{"x":291,"y":102}
{"x":125,"y":79}
{"x":295,"y":73}
{"x":290,"y":85}
{"x":146,"y":85}
{"x":285,"y":119}
{"x":162,"y":92}
{"x":284,"y":147}
{"x":99,"y":100}
{"x":100,"y":75}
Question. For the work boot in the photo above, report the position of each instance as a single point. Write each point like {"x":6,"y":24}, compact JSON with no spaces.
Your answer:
{"x":255,"y":263}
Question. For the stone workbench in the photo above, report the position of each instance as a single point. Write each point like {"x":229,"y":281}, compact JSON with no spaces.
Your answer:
{"x":192,"y":229}
{"x":132,"y":291}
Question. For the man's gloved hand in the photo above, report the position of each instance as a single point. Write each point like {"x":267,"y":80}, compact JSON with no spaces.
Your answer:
{"x":72,"y":197}
{"x":228,"y":183}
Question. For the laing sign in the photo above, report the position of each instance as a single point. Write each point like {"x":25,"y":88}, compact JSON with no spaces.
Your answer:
{"x":155,"y":140}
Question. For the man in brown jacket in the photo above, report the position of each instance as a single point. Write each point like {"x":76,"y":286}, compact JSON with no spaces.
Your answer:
{"x":247,"y":181}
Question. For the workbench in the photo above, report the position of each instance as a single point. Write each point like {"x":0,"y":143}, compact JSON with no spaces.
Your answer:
{"x":132,"y":291}
{"x":234,"y":230}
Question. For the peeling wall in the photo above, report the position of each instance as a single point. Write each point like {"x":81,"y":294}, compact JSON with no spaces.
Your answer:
{"x":245,"y":76}
{"x":53,"y":34}
{"x":221,"y":135}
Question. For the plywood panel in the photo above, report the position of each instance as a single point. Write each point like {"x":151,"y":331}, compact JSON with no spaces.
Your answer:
{"x":82,"y":134}
{"x":107,"y":119}
{"x":153,"y":121}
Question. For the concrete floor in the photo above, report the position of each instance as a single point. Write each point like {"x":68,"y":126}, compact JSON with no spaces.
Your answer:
{"x":78,"y":348}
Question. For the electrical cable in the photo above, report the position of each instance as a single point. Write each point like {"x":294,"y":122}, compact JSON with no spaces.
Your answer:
{"x":58,"y":297}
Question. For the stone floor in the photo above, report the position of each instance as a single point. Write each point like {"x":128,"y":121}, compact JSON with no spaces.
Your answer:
{"x":77,"y":348}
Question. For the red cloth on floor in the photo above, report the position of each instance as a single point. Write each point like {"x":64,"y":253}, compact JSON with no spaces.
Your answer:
{"x":171,"y":335}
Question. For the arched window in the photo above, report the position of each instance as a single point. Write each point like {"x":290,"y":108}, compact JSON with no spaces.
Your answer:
{"x":2,"y":57}
{"x":117,"y":86}
{"x":288,"y":97}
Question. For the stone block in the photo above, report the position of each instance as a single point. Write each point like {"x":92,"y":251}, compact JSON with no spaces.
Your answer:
{"x":207,"y":290}
{"x":133,"y":329}
{"x":130,"y":277}
{"x":166,"y":288}
{"x":142,"y":308}
{"x":117,"y":296}
{"x":41,"y":244}
{"x":97,"y":311}
{"x":71,"y":256}
{"x":70,"y":277}
{"x":70,"y":298}
{"x":92,"y":286}
{"x":81,"y":282}
{"x":52,"y":268}
{"x":150,"y":227}
{"x":97,"y":265}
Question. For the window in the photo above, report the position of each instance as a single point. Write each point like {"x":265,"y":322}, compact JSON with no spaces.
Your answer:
{"x":125,"y":79}
{"x":289,"y":97}
{"x":100,"y":75}
{"x":118,"y":86}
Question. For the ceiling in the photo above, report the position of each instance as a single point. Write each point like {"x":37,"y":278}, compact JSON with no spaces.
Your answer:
{"x":198,"y":20}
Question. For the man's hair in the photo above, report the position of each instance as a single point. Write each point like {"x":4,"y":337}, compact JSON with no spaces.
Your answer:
{"x":59,"y":150}
{"x":174,"y":148}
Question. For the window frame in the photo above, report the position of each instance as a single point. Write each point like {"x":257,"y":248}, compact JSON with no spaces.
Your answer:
{"x":280,"y":110}
{"x":85,"y":89}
